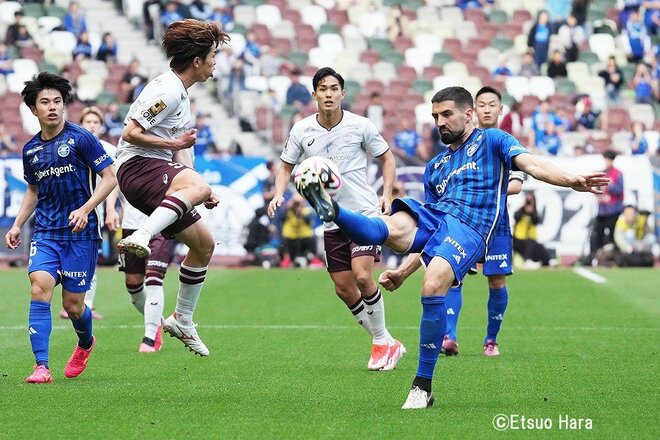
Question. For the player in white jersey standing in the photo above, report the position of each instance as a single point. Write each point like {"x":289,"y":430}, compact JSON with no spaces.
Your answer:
{"x":346,"y":138}
{"x":153,"y":178}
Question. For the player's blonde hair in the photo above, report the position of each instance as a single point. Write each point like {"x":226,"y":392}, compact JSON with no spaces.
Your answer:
{"x":187,"y":39}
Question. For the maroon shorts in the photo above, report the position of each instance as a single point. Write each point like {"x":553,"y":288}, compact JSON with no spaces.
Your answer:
{"x":162,"y":250}
{"x":339,"y":251}
{"x":144,"y":182}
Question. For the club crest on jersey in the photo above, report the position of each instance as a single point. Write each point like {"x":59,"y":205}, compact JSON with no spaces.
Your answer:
{"x":63,"y":150}
{"x":165,"y":179}
{"x":471,"y":149}
{"x":157,"y":108}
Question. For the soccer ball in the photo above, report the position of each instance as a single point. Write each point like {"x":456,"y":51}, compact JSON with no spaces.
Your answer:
{"x":326,"y":169}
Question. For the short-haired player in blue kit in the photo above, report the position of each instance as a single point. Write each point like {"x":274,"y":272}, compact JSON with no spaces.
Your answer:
{"x":465,"y":191}
{"x":498,"y":261}
{"x":60,"y":164}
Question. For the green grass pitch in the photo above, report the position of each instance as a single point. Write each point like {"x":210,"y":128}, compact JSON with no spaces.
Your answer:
{"x":288,"y":361}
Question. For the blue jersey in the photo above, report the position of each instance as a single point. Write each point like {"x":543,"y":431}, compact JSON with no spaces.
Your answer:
{"x":471,"y":182}
{"x":64,"y":171}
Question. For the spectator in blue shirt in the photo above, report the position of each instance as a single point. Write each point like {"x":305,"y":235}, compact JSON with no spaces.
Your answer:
{"x":638,"y":144}
{"x":74,"y":20}
{"x":550,"y":143}
{"x":6,"y":62}
{"x":222,"y":16}
{"x":297,"y":94}
{"x":205,"y":143}
{"x":406,"y":141}
{"x":170,"y":14}
{"x":587,"y":118}
{"x":643,"y":84}
{"x":502,"y":70}
{"x":637,"y":38}
{"x":539,"y":38}
{"x":540,"y":118}
{"x":200,"y":10}
{"x":83,"y":49}
{"x":108,"y":48}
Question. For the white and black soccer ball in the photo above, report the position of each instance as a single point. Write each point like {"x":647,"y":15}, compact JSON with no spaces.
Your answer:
{"x":326,"y":169}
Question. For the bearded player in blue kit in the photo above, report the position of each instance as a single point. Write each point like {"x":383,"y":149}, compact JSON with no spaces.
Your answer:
{"x":60,"y":163}
{"x":465,"y":191}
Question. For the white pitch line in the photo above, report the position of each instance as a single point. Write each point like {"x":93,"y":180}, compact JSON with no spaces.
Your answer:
{"x":591,"y":276}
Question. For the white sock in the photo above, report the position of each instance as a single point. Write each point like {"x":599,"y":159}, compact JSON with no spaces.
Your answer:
{"x":191,"y":281}
{"x":136,"y":293}
{"x":359,"y":311}
{"x":375,"y":307}
{"x":172,"y":208}
{"x":91,"y":293}
{"x":153,"y":306}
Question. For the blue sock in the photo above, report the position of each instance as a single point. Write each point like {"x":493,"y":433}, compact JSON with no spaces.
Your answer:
{"x":361,"y":229}
{"x":40,"y":324}
{"x":454,"y":303}
{"x":83,"y":328}
{"x":497,"y":301}
{"x":432,"y":330}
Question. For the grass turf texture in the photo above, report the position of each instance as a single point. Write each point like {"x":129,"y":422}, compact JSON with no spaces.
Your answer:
{"x":288,"y":361}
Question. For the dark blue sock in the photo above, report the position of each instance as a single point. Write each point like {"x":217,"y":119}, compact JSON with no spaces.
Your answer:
{"x":454,"y":300}
{"x":40,"y":324}
{"x":83,"y":328}
{"x":361,"y":229}
{"x":432,"y":330}
{"x":497,"y":301}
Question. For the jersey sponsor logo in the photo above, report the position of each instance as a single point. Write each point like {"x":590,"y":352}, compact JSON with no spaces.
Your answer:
{"x":101,"y":159}
{"x":74,"y":274}
{"x":63,"y":150}
{"x":165,"y":179}
{"x":457,"y":245}
{"x":158,"y":107}
{"x":498,"y":257}
{"x":156,"y":263}
{"x":34,"y":150}
{"x":54,"y":171}
{"x":361,"y":249}
{"x":470,"y":166}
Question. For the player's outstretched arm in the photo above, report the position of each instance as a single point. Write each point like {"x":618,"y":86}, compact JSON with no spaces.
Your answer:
{"x":78,"y":219}
{"x":136,"y":135}
{"x":281,"y":181}
{"x":545,"y":171}
{"x":393,"y":279}
{"x":13,"y":236}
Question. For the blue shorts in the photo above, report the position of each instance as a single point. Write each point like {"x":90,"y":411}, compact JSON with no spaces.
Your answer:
{"x":499,"y":259}
{"x":444,"y":236}
{"x":72,"y":263}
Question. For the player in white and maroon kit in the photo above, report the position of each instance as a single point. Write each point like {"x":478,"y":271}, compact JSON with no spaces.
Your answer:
{"x":156,"y":182}
{"x":346,"y":138}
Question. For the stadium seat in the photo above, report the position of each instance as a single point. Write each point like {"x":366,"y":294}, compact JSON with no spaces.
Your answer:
{"x":361,"y":73}
{"x":393,"y":57}
{"x":428,"y":42}
{"x":25,"y":68}
{"x":423,"y":114}
{"x":330,"y":43}
{"x":602,"y":45}
{"x":280,"y":84}
{"x":517,"y":86}
{"x":48,"y":23}
{"x":245,"y":15}
{"x":456,"y":69}
{"x":406,"y":73}
{"x":33,"y":10}
{"x":421,"y":86}
{"x":298,"y":58}
{"x":588,"y":57}
{"x":268,"y":14}
{"x":418,"y":58}
{"x":521,"y":16}
{"x":498,"y":17}
{"x":577,"y":70}
{"x":440,"y":82}
{"x":384,"y":71}
{"x":442,"y":58}
{"x":314,"y":16}
{"x":643,"y":113}
{"x":428,"y":13}
{"x":257,"y":83}
{"x":283,"y":29}
{"x":402,"y":43}
{"x":88,"y":87}
{"x":502,"y":43}
{"x":542,"y":86}
{"x":488,"y":57}
{"x":454,"y":46}
{"x":564,"y":86}
{"x":94,"y":67}
{"x":369,"y":57}
{"x":431,"y":72}
{"x":328,"y":28}
{"x":62,"y":41}
{"x":380,"y":45}
{"x":452,"y":14}
{"x":318,"y":57}
{"x":237,"y":42}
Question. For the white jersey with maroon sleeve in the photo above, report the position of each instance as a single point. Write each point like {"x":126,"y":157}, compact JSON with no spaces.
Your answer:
{"x":162,"y":109}
{"x":346,"y":144}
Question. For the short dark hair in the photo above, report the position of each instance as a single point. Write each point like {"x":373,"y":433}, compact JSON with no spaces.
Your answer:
{"x":488,"y":89}
{"x":609,"y":154}
{"x":42,"y":81}
{"x":459,"y":95}
{"x":326,"y":71}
